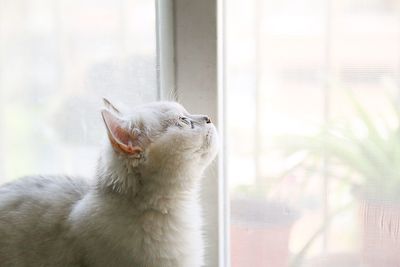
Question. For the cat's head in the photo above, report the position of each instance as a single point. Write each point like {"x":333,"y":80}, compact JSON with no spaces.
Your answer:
{"x":161,"y":135}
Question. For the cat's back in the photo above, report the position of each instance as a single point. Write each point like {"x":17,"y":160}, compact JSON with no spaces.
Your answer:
{"x":33,"y":214}
{"x":40,"y":193}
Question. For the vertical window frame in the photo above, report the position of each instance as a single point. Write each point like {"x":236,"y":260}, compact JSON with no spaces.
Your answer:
{"x":190,"y":60}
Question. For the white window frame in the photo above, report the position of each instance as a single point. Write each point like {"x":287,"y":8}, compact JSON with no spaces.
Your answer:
{"x":190,"y":70}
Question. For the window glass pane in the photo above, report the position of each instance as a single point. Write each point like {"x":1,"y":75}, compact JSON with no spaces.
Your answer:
{"x":313,"y":108}
{"x":58,"y":58}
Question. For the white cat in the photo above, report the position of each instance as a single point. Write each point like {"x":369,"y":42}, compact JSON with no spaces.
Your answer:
{"x":142,"y":209}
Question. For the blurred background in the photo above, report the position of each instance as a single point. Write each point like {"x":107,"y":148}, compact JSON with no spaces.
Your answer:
{"x":58,"y":58}
{"x":313,"y":137}
{"x":312,"y":109}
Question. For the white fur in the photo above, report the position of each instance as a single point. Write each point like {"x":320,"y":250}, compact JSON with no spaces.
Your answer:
{"x":138,"y":212}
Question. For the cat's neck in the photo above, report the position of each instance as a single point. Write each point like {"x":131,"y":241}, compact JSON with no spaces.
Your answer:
{"x":149,"y":185}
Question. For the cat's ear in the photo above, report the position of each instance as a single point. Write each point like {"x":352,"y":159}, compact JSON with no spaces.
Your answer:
{"x":110,"y":106}
{"x":120,"y":137}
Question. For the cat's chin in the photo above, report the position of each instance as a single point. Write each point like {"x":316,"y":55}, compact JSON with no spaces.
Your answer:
{"x":210,"y":147}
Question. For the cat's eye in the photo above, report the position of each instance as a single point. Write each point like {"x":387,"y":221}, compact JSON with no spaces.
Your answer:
{"x":187,"y":121}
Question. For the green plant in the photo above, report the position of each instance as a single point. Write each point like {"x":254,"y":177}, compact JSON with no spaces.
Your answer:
{"x":366,"y":144}
{"x":364,"y":149}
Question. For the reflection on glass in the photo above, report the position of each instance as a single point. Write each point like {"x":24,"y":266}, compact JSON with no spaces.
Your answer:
{"x":313,"y":133}
{"x":57,"y":60}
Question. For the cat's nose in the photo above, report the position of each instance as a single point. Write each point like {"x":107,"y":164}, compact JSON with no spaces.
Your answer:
{"x":207,"y":119}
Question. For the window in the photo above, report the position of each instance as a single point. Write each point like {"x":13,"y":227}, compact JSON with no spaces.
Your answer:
{"x":311,"y":94}
{"x":312,"y":132}
{"x":57,"y":60}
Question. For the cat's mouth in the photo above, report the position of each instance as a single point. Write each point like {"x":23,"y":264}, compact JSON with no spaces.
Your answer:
{"x":210,"y":145}
{"x":209,"y":135}
{"x":210,"y":138}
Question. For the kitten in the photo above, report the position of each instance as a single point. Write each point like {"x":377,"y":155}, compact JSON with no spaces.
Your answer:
{"x":140,"y":210}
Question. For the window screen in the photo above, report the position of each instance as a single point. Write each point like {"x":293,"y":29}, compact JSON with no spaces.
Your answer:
{"x":313,"y":159}
{"x":57,"y":60}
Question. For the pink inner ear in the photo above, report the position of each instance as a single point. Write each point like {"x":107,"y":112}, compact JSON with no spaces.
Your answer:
{"x":120,"y":138}
{"x":121,"y":135}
